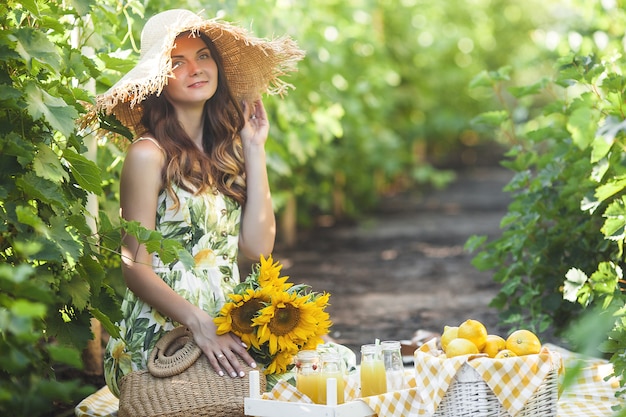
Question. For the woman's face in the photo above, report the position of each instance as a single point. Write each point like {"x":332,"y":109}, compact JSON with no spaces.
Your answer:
{"x":195,"y":73}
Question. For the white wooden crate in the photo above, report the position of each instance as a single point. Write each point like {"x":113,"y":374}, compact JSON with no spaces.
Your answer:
{"x":258,"y":407}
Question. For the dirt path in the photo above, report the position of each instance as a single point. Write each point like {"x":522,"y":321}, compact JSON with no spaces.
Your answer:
{"x":405,"y":268}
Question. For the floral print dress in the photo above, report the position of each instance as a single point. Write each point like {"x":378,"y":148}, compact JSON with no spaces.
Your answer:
{"x":207,"y":224}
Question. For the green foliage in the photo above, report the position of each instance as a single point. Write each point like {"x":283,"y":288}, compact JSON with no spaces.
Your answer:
{"x":381,"y":98}
{"x":49,"y":274}
{"x":54,"y":264}
{"x":560,"y":256}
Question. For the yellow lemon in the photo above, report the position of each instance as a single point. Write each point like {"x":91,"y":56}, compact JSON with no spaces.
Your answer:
{"x":474,"y":331}
{"x":458,"y":347}
{"x":523,"y":342}
{"x":494,"y":345}
{"x":449,"y":333}
{"x":505,"y":353}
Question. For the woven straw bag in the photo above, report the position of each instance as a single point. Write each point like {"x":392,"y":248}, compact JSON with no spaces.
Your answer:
{"x":180,"y":382}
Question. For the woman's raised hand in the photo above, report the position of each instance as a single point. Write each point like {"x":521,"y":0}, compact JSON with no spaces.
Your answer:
{"x":256,"y":126}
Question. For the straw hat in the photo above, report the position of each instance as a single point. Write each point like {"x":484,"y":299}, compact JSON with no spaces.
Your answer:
{"x":252,"y":65}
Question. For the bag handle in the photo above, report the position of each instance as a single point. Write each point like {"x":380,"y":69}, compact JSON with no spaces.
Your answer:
{"x":173,"y":353}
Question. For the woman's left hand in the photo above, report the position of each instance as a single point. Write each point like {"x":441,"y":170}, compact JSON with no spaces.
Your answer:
{"x":256,"y":127}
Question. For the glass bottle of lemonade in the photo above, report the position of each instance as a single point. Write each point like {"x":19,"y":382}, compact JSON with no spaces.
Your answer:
{"x":394,"y":367}
{"x":331,"y":368}
{"x":308,"y":374}
{"x":373,"y":376}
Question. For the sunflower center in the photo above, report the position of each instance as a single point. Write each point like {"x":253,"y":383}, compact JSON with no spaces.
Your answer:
{"x":285,"y":320}
{"x":243,"y":315}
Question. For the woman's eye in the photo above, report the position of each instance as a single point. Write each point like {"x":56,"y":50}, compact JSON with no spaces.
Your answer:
{"x":205,"y":56}
{"x":176,"y":64}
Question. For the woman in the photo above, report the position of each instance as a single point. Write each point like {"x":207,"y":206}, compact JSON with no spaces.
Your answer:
{"x":196,"y":173}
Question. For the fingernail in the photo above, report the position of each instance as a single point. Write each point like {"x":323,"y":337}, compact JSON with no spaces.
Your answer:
{"x":234,"y":374}
{"x":253,"y":364}
{"x":244,"y":345}
{"x":220,"y":373}
{"x":242,"y":374}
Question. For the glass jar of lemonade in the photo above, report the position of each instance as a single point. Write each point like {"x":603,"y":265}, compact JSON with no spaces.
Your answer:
{"x":373,"y":376}
{"x":308,"y":374}
{"x":331,"y":368}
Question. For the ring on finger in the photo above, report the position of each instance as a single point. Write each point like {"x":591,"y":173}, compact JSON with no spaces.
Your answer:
{"x":220,"y":356}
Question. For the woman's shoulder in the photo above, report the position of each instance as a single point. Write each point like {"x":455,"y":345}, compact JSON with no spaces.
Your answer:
{"x":145,"y":148}
{"x":145,"y":153}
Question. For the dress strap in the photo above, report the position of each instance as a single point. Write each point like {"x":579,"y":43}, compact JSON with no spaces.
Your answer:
{"x":153,"y":140}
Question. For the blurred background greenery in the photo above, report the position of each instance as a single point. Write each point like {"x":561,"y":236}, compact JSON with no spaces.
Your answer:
{"x":382,"y":100}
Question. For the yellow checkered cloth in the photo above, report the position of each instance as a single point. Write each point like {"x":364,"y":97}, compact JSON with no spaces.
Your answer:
{"x":101,"y":403}
{"x":284,"y":391}
{"x":406,"y":402}
{"x":589,"y":394}
{"x":433,"y":375}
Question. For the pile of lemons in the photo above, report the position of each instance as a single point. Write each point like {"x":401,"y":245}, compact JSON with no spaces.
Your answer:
{"x":471,"y":337}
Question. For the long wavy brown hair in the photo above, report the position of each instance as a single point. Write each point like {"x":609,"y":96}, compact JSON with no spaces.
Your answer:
{"x":220,"y":164}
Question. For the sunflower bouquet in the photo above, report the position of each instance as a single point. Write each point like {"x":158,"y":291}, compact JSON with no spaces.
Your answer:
{"x":274,"y":318}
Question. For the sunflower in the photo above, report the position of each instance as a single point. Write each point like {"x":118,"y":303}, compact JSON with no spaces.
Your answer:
{"x":280,"y":363}
{"x":273,"y":317}
{"x":323,"y":325}
{"x":236,"y":316}
{"x":290,"y":321}
{"x":269,"y":274}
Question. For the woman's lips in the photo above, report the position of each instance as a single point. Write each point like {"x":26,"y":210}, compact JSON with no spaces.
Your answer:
{"x":198,"y":84}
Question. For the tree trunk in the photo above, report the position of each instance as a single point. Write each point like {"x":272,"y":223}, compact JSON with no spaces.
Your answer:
{"x":288,"y":222}
{"x":92,"y":355}
{"x":339,"y":195}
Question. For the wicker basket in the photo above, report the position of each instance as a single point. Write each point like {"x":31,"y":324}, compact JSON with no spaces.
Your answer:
{"x":180,"y":382}
{"x":469,"y":395}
